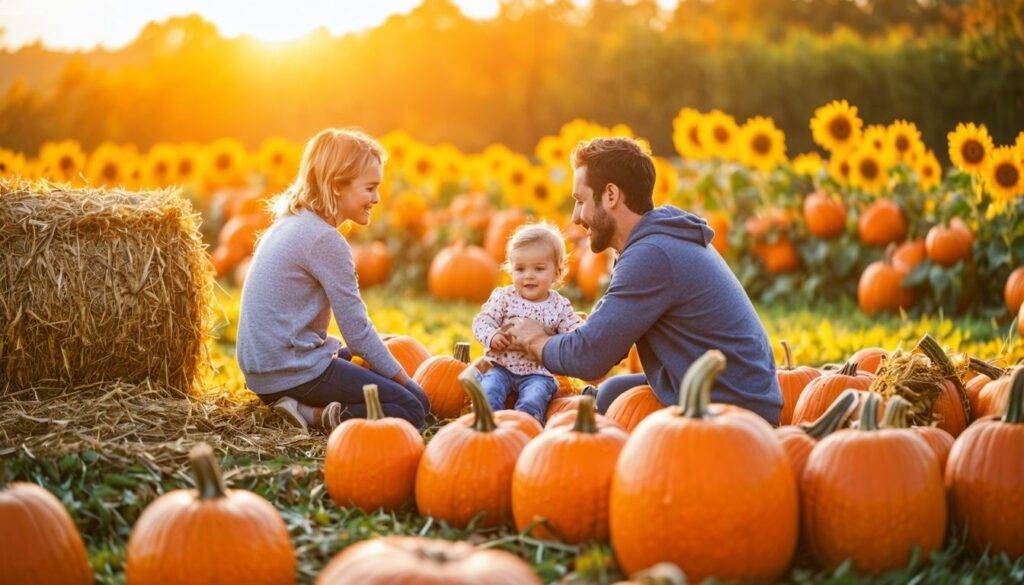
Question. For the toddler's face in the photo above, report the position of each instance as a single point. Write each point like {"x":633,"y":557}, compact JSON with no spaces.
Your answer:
{"x":533,"y":271}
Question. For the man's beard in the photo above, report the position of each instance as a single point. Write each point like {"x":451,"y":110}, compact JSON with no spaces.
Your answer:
{"x":601,"y":231}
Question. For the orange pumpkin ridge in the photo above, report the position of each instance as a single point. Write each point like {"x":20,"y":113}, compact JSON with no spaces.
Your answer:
{"x":462,"y":272}
{"x":985,"y":478}
{"x":692,"y":477}
{"x":872,"y":496}
{"x":880,"y":287}
{"x":633,"y":406}
{"x":792,"y":381}
{"x":439,"y":378}
{"x":408,"y":352}
{"x":986,"y":373}
{"x":562,"y":479}
{"x":897,"y":416}
{"x":1013,"y":292}
{"x":994,"y":396}
{"x":821,"y":392}
{"x":371,"y":463}
{"x":798,"y":440}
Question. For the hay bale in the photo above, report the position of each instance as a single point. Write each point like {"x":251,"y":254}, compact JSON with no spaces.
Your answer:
{"x":101,"y":286}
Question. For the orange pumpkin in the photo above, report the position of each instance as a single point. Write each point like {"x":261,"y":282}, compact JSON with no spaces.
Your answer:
{"x":408,"y":352}
{"x":373,"y":264}
{"x":779,"y":256}
{"x":439,"y":378}
{"x":240,"y":232}
{"x":897,"y":416}
{"x":973,"y":388}
{"x":563,"y":477}
{"x":821,"y":392}
{"x":798,"y":440}
{"x":371,"y":463}
{"x":882,"y":223}
{"x":909,"y":254}
{"x":995,"y":395}
{"x":825,"y":216}
{"x":872,"y":496}
{"x":462,"y":272}
{"x":561,"y":404}
{"x":209,"y":535}
{"x":473,"y":209}
{"x":39,"y":540}
{"x":951,"y":409}
{"x":389,"y":560}
{"x":502,"y":225}
{"x":869,"y":358}
{"x":466,"y":469}
{"x":947,"y":245}
{"x":792,"y":381}
{"x":517,"y":418}
{"x":633,"y":406}
{"x":880,"y":288}
{"x":720,"y":224}
{"x":567,"y":418}
{"x":1013,"y":292}
{"x":985,"y":478}
{"x":685,"y":484}
{"x":592,"y":272}
{"x":225,"y":258}
{"x":632,"y":361}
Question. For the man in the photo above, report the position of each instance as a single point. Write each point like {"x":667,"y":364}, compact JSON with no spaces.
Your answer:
{"x":670,"y":293}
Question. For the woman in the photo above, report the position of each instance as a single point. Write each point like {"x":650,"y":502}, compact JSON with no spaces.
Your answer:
{"x":301,"y":271}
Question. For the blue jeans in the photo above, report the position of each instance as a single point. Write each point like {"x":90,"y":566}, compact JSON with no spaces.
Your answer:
{"x":611,"y":388}
{"x":343,"y":382}
{"x":535,"y":391}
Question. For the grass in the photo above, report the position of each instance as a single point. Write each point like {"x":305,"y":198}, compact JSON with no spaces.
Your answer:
{"x":105,"y":498}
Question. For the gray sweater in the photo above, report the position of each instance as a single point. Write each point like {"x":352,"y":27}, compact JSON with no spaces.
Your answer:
{"x":302,"y":269}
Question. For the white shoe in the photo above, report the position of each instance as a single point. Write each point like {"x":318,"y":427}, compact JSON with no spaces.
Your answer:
{"x":289,"y":408}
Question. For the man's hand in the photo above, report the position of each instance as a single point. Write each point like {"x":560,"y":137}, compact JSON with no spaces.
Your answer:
{"x":529,"y":337}
{"x":500,"y":341}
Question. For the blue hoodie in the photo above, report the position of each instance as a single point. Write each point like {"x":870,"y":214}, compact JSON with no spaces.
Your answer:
{"x":676,"y":298}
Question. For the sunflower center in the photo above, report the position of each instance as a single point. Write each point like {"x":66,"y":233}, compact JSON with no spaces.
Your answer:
{"x":161,"y":168}
{"x":109,"y":171}
{"x":844,"y":169}
{"x":223,"y":161}
{"x":694,"y":135}
{"x":185,"y":167}
{"x":277,"y":158}
{"x":518,"y":177}
{"x":869,"y":169}
{"x":721,"y":135}
{"x":973,"y":152}
{"x":423,"y":166}
{"x":3,"y":167}
{"x":541,"y":192}
{"x":840,"y":128}
{"x":66,"y":163}
{"x":761,"y":144}
{"x":1007,"y":175}
{"x":928,"y":171}
{"x":902,"y":144}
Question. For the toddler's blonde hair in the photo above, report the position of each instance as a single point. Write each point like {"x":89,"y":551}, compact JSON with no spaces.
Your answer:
{"x":544,"y":233}
{"x":332,"y":156}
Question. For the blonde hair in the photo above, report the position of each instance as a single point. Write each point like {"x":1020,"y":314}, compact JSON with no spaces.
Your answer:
{"x":534,"y":233}
{"x":333,"y":155}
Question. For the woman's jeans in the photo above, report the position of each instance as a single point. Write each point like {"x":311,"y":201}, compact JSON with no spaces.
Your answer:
{"x":613,"y":387}
{"x":343,"y":382}
{"x":535,"y":391}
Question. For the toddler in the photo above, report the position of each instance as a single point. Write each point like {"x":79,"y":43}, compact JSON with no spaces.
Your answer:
{"x":536,"y":260}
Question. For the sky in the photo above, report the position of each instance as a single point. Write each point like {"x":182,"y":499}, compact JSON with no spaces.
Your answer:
{"x":83,"y":24}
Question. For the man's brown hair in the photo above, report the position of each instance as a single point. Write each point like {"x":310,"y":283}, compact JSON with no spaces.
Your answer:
{"x":621,"y":161}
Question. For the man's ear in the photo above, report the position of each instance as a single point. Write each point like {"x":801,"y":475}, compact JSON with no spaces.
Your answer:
{"x":613,"y":195}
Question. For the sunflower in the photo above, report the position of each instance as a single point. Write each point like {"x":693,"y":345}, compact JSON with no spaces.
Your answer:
{"x":226,"y":161}
{"x":495,"y":158}
{"x":160,"y":166}
{"x":453,"y":165}
{"x":189,"y":164}
{"x":836,"y":126}
{"x":12,"y":164}
{"x":686,"y":135}
{"x":541,"y":194}
{"x":575,"y":130}
{"x":904,"y":139}
{"x":63,"y":161}
{"x":839,"y":167}
{"x":969,"y":147}
{"x":1019,"y":146}
{"x":761,"y":144}
{"x":622,"y":130}
{"x":1004,"y":174}
{"x":278,"y":161}
{"x":666,"y":181}
{"x":876,"y":136}
{"x":867,"y":171}
{"x":422,"y":166}
{"x":108,"y":165}
{"x":514,"y":179}
{"x":552,"y":151}
{"x":808,"y":163}
{"x":409,"y":211}
{"x":398,"y":145}
{"x":928,"y":169}
{"x":720,"y":133}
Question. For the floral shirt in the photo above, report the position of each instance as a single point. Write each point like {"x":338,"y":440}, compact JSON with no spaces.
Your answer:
{"x":554,"y":313}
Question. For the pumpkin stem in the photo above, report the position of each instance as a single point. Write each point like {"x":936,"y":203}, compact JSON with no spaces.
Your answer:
{"x":483,"y":419}
{"x":897,"y":413}
{"x":209,"y":481}
{"x":1015,"y":402}
{"x":985,"y":368}
{"x":849,"y":368}
{"x":586,"y":422}
{"x":833,"y":418}
{"x":461,"y":351}
{"x":695,"y":390}
{"x":787,"y":362}
{"x":937,"y":355}
{"x":869,"y":412}
{"x":371,"y":394}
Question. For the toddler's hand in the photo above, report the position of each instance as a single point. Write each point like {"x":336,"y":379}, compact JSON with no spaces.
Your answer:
{"x":500,"y":341}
